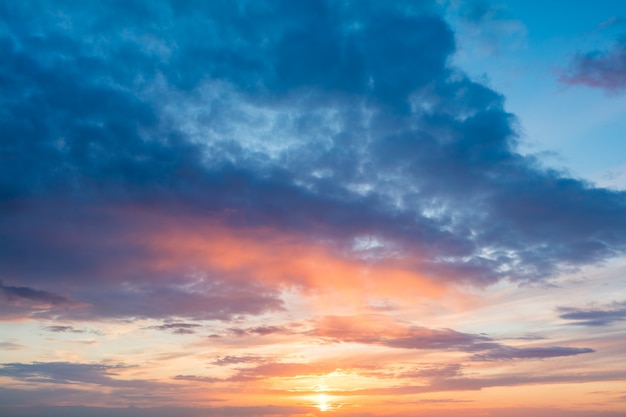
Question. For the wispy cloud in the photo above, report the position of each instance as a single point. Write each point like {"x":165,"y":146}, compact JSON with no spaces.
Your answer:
{"x":63,"y":329}
{"x":17,"y":294}
{"x":178,"y":328}
{"x":378,"y":330}
{"x":67,"y":373}
{"x":508,"y":353}
{"x":234,"y":360}
{"x":594,"y":315}
{"x":605,"y":69}
{"x":10,"y":346}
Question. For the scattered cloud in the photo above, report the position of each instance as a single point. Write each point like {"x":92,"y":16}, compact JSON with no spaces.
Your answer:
{"x":379,"y":330}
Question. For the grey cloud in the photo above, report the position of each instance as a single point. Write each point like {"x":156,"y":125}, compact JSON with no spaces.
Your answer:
{"x":258,"y":331}
{"x":178,"y":328}
{"x":233,"y":360}
{"x":63,"y":329}
{"x":196,"y":378}
{"x":508,"y":353}
{"x":10,"y":346}
{"x":599,"y":315}
{"x":70,"y":373}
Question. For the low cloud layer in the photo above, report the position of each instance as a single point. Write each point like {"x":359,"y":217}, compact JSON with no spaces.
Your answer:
{"x":377,"y":330}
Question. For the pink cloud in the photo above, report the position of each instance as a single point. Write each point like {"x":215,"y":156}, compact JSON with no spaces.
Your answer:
{"x":605,"y":70}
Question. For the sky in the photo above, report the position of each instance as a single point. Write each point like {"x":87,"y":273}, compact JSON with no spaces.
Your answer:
{"x":312,"y":208}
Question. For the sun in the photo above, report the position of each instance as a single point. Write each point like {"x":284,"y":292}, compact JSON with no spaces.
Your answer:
{"x":322,"y":402}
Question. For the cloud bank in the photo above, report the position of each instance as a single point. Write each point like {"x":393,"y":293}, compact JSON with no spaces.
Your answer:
{"x":131,"y":153}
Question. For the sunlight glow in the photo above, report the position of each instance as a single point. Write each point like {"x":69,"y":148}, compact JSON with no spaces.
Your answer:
{"x":322,"y":402}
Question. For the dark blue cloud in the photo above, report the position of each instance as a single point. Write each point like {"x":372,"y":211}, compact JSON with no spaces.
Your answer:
{"x":337,"y":120}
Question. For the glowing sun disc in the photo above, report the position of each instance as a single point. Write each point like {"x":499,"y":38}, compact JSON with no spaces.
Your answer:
{"x":322,"y":402}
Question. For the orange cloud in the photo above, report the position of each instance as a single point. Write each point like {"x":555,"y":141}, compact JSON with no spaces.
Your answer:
{"x":277,"y":258}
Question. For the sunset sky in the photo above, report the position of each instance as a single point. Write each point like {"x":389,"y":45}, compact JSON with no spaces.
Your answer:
{"x":298,"y":208}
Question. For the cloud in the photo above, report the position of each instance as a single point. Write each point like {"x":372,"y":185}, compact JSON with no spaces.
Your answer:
{"x":133,"y":151}
{"x":233,"y":360}
{"x":63,"y":329}
{"x":258,"y":331}
{"x":23,"y":301}
{"x":178,"y":328}
{"x":78,"y":411}
{"x":425,"y":371}
{"x":605,"y":70}
{"x":10,"y":346}
{"x":379,"y":330}
{"x":468,"y":383}
{"x":599,"y":315}
{"x":17,"y":294}
{"x":263,"y":370}
{"x":508,"y":353}
{"x":196,"y":378}
{"x":67,"y":373}
{"x":442,"y":401}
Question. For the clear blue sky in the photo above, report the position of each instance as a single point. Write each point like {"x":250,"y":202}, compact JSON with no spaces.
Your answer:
{"x":522,"y":47}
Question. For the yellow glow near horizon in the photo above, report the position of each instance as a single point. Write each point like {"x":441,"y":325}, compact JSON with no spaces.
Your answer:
{"x":322,"y":402}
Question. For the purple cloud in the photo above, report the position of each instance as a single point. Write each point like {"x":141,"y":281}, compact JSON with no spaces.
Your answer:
{"x":15,"y":294}
{"x":374,"y":330}
{"x":600,"y":315}
{"x":605,"y":70}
